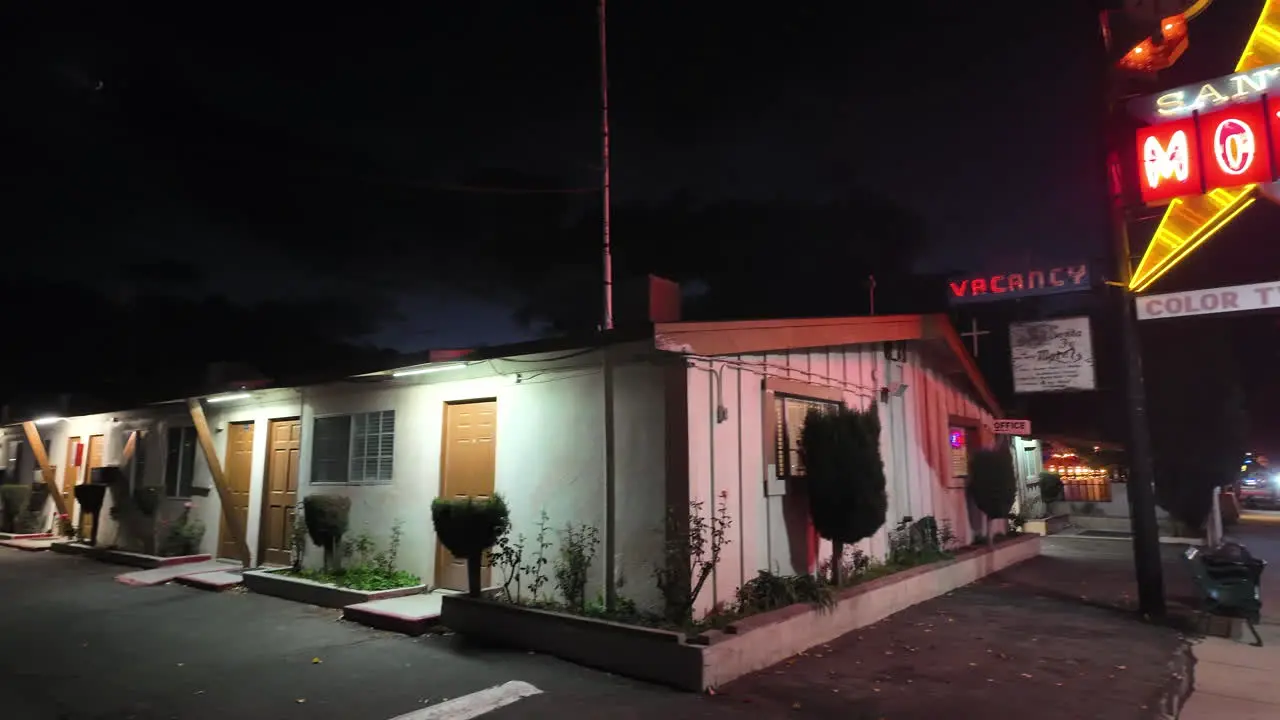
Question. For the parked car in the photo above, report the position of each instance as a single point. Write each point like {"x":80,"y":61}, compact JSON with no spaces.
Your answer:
{"x":1260,"y":488}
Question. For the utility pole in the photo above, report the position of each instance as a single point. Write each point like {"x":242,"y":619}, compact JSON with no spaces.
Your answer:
{"x":610,"y":453}
{"x":1141,"y":486}
{"x":606,"y":246}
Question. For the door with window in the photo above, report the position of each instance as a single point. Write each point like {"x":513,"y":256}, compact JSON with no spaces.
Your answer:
{"x":280,"y":491}
{"x":238,"y":472}
{"x":467,"y":466}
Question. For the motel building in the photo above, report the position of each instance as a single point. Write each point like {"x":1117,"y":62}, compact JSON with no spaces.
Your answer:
{"x":707,"y":411}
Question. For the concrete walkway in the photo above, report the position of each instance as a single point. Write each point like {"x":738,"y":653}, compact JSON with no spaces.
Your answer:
{"x":1234,"y":680}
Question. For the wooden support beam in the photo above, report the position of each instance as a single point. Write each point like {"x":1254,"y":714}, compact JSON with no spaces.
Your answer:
{"x":219,"y":481}
{"x":130,"y":445}
{"x":46,"y":472}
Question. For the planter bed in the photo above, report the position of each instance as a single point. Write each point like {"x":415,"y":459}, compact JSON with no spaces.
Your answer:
{"x":717,"y":656}
{"x":275,"y":583}
{"x":1051,"y":525}
{"x":122,"y":557}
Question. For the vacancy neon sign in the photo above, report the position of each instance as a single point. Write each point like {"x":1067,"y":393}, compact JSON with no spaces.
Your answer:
{"x":1225,"y":148}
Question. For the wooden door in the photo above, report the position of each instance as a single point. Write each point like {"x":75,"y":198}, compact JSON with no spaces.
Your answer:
{"x":238,"y":470}
{"x":466,"y":470}
{"x":93,"y":458}
{"x":280,"y":492}
{"x":70,"y":477}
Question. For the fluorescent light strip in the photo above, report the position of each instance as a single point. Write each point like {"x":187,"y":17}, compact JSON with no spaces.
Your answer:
{"x":428,"y":369}
{"x":228,"y":398}
{"x":46,"y":420}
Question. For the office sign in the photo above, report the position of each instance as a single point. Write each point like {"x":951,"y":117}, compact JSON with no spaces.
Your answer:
{"x":1012,"y":427}
{"x":1019,"y":283}
{"x":1214,"y":301}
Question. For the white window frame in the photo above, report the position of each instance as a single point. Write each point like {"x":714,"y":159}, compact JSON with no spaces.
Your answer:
{"x":354,"y":456}
{"x":195,"y":448}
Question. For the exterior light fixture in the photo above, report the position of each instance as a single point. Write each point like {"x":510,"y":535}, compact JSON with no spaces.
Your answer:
{"x":427,"y":369}
{"x":228,"y":398}
{"x":46,"y":420}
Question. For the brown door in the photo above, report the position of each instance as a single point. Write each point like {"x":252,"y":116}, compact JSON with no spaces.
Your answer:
{"x":238,"y":466}
{"x":70,"y":477}
{"x":92,"y":459}
{"x":280,"y":491}
{"x":466,"y":470}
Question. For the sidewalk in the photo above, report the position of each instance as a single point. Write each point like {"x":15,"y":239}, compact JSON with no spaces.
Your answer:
{"x":1235,"y":681}
{"x":1053,"y":634}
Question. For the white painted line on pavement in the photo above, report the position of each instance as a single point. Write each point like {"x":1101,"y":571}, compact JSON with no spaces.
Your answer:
{"x":475,"y":704}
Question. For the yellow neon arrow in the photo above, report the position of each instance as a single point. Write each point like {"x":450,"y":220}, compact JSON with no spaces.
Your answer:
{"x":1190,"y":221}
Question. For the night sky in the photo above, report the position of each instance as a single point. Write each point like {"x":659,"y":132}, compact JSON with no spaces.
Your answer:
{"x":263,"y":152}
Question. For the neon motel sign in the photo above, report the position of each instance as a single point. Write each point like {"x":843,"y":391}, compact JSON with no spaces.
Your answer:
{"x":1220,"y":149}
{"x":1023,"y":283}
{"x":1191,"y":219}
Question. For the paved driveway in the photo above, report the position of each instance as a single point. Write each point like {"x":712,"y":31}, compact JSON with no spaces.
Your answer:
{"x":76,"y":645}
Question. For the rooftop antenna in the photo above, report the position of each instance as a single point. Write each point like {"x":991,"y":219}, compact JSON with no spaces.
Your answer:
{"x":871,"y":289}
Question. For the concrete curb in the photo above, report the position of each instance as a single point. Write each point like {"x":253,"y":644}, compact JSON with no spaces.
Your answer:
{"x":391,"y":622}
{"x":1169,"y":699}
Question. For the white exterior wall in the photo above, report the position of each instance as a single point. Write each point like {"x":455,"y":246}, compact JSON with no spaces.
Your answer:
{"x":735,"y":456}
{"x":550,"y":456}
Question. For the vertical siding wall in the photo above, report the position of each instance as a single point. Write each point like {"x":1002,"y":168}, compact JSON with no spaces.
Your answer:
{"x":734,"y":457}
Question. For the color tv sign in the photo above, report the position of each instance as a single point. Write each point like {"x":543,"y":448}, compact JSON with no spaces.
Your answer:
{"x":1221,"y":148}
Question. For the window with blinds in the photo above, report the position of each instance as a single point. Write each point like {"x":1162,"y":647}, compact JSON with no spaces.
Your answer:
{"x":179,"y":462}
{"x":353,"y":449}
{"x":789,"y":414}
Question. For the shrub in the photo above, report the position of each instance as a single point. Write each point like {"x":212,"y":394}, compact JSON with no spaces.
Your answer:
{"x":468,"y":527}
{"x":184,"y":536}
{"x":845,"y":476}
{"x":1050,"y":488}
{"x":993,"y":484}
{"x":327,"y":518}
{"x":577,"y":550}
{"x":14,"y":500}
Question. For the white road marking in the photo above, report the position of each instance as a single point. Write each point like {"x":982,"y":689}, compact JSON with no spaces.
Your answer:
{"x":475,"y":704}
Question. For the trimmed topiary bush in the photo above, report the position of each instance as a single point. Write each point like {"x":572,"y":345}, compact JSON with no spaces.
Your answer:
{"x":845,"y":477}
{"x":468,"y":527}
{"x":327,"y":518}
{"x":993,"y":484}
{"x":14,"y":500}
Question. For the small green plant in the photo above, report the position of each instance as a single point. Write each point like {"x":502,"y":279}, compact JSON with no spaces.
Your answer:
{"x":767,"y":591}
{"x":359,"y":549}
{"x":386,"y":560}
{"x":468,"y":527}
{"x":327,"y":518}
{"x":691,"y":554}
{"x":298,"y":538}
{"x":508,"y":555}
{"x":947,"y":539}
{"x":536,"y":569}
{"x":855,"y":564}
{"x":184,"y":535}
{"x":577,"y":551}
{"x":14,"y":501}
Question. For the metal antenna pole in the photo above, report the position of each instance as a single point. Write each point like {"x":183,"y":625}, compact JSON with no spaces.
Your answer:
{"x":606,"y":245}
{"x":610,"y":453}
